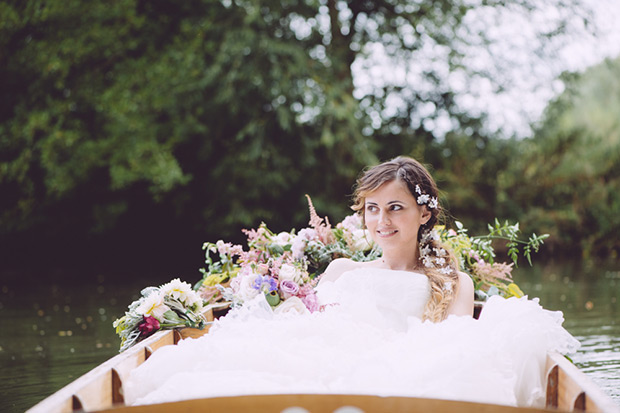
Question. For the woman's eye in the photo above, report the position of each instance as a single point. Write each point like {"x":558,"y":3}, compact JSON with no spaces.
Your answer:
{"x":396,"y":207}
{"x":371,"y":208}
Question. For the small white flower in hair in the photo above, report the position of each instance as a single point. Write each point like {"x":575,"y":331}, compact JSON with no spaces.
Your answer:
{"x":425,"y":250}
{"x":423,"y":199}
{"x":428,"y":262}
{"x":445,"y":270}
{"x":431,"y":235}
{"x":447,"y":286}
{"x":440,"y":252}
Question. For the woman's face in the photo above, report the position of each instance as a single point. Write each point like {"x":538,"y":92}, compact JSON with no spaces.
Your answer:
{"x":393,"y":217}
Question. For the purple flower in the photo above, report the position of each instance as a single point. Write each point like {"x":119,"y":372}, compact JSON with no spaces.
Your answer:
{"x":149,"y":326}
{"x":265,"y":284}
{"x":289,"y":288}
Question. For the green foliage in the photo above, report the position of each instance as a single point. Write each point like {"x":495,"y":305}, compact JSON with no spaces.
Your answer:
{"x":567,"y":179}
{"x":476,"y":256}
{"x":213,"y":115}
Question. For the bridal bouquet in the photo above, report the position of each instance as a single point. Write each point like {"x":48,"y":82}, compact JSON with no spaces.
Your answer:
{"x":171,"y":305}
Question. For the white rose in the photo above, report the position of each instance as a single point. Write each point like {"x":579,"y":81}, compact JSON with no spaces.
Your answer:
{"x":292,"y":305}
{"x":361,"y":240}
{"x":298,"y":247}
{"x":290,"y":273}
{"x":352,"y":223}
{"x":282,"y":239}
{"x":300,"y":241}
{"x":245,"y":287}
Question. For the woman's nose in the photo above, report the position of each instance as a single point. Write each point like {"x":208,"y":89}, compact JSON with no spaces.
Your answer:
{"x":384,"y":218}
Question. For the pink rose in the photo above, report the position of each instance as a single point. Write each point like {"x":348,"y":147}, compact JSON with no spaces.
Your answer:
{"x":289,"y":288}
{"x":149,"y":326}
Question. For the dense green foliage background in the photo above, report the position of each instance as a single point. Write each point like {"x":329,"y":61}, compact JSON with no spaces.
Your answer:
{"x":132,"y":131}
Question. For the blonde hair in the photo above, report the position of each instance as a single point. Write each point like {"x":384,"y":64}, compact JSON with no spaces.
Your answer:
{"x":444,"y":284}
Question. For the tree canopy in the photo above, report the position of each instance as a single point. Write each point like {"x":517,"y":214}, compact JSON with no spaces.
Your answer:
{"x":146,"y":122}
{"x":566,"y":180}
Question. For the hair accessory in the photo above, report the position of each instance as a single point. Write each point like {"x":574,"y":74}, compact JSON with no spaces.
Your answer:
{"x":425,"y":198}
{"x":434,"y":257}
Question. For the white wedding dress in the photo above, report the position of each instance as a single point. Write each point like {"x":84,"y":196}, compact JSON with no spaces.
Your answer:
{"x":368,"y":340}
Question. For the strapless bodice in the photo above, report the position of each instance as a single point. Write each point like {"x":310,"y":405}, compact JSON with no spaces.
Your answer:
{"x":377,"y":295}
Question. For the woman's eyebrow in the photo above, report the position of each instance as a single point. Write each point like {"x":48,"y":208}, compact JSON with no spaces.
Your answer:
{"x":389,"y":203}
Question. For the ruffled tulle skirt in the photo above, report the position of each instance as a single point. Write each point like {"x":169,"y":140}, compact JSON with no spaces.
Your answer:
{"x":497,"y":359}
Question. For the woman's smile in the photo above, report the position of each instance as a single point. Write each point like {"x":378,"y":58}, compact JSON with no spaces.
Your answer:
{"x":386,"y":232}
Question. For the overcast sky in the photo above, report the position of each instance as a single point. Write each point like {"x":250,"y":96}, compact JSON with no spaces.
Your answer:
{"x":580,"y":52}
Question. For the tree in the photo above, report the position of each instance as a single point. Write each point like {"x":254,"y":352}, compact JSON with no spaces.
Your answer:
{"x":202,"y":117}
{"x":567,"y":182}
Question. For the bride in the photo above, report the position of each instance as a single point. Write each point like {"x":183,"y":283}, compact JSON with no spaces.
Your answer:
{"x":401,"y":325}
{"x":398,"y":203}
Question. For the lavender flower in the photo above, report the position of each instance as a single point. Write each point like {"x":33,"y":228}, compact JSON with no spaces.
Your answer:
{"x":265,"y":284}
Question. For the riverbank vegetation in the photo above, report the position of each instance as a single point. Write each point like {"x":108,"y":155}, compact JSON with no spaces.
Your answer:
{"x":131,"y":132}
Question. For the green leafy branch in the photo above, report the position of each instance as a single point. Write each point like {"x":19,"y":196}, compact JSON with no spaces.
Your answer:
{"x":509,"y":233}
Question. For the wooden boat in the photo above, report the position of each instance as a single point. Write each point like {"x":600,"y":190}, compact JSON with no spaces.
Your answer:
{"x":101,"y":389}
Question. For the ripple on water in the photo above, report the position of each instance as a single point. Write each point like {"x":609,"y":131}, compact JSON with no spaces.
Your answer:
{"x":599,"y":358}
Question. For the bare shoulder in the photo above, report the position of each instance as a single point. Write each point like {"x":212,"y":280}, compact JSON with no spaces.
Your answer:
{"x":466,"y":285}
{"x":463,"y":303}
{"x":337,"y":267}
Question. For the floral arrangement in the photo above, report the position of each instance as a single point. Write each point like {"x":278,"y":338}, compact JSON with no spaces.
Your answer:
{"x":171,"y":305}
{"x":476,"y":256}
{"x":284,"y":266}
{"x":307,"y":253}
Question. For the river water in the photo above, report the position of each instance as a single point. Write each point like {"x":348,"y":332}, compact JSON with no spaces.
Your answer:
{"x":50,"y":334}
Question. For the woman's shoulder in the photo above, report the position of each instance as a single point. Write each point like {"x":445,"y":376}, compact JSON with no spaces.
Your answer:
{"x":339,"y":266}
{"x":466,"y":285}
{"x":463,"y":303}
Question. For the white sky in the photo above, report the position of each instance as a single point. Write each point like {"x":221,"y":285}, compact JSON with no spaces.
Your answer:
{"x":531,"y":80}
{"x":525,"y":104}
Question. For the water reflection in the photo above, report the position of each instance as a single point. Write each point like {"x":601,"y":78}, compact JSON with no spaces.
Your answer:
{"x":52,"y":334}
{"x":588,"y":296}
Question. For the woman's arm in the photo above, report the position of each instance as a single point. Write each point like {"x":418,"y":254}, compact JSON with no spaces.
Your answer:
{"x":463,"y":303}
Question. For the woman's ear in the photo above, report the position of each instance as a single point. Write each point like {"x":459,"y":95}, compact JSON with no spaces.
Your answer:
{"x":426,"y":215}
